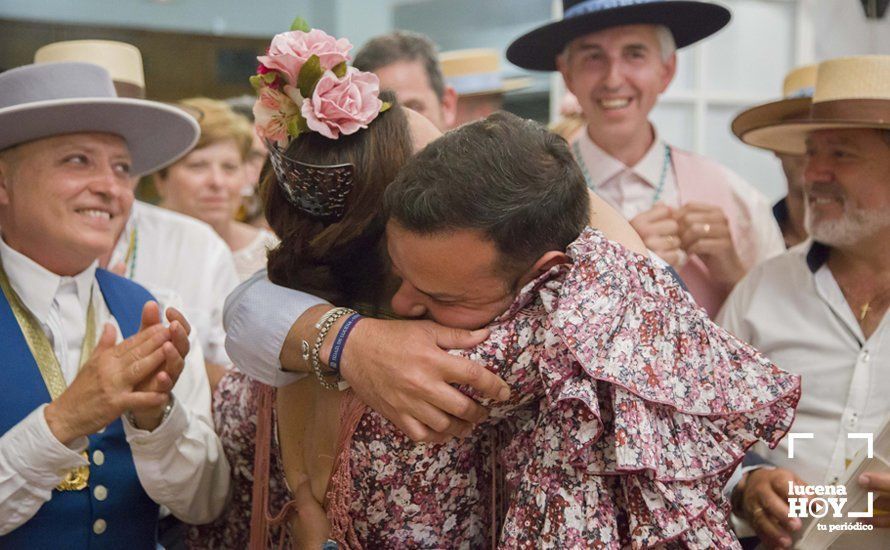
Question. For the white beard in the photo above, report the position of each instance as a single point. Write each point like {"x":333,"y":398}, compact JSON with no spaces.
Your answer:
{"x":852,"y":227}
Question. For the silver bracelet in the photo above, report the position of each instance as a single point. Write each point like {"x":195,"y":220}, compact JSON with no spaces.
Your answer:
{"x":305,"y":348}
{"x":167,"y":410}
{"x":328,"y":322}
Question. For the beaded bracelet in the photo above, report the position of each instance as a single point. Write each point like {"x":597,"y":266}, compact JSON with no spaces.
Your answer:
{"x":306,"y":349}
{"x":340,"y":342}
{"x":326,"y":325}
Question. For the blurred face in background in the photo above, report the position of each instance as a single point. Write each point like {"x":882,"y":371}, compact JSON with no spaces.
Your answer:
{"x":206,"y":184}
{"x":411,"y":84}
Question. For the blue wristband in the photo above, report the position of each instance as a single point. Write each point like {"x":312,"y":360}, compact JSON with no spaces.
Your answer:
{"x":340,"y":342}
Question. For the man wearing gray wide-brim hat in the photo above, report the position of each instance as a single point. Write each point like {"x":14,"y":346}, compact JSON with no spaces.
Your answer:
{"x":106,"y":411}
{"x":617,"y":57}
{"x":156,"y":247}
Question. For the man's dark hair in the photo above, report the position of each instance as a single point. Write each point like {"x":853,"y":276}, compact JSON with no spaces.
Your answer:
{"x":506,"y":177}
{"x":885,"y":135}
{"x":397,"y":46}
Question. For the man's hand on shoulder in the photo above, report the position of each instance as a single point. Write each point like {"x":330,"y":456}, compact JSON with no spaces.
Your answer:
{"x":402,"y":370}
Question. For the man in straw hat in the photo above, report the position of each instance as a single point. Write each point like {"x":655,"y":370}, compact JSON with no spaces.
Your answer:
{"x":617,"y":57}
{"x":797,"y":93}
{"x":820,"y":309}
{"x":475,"y":74}
{"x":105,"y":415}
{"x":159,"y":249}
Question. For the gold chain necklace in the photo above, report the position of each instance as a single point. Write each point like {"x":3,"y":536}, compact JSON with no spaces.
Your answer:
{"x":865,"y":309}
{"x":48,"y":364}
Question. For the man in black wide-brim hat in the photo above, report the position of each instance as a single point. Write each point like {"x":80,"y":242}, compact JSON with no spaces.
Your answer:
{"x":617,"y":57}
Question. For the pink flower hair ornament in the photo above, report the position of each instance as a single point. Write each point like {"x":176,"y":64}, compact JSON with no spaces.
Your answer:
{"x":304,"y":85}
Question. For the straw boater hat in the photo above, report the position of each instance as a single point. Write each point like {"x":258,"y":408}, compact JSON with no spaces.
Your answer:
{"x":797,"y":96}
{"x":51,"y":99}
{"x":123,"y":61}
{"x":688,"y":21}
{"x":478,"y":72}
{"x":851,"y":92}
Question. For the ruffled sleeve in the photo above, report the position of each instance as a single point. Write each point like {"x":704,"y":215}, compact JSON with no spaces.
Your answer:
{"x":650,"y":408}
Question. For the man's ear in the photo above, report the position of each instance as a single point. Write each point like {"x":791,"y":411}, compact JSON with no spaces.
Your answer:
{"x":562,"y":65}
{"x":670,"y":69}
{"x":5,"y":178}
{"x":449,"y":107}
{"x":542,"y":265}
{"x":160,"y":184}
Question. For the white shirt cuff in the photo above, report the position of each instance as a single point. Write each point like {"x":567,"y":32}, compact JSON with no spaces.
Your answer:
{"x":158,"y":441}
{"x":37,"y":455}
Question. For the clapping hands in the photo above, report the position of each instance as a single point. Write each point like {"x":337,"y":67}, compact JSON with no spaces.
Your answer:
{"x":135,"y":375}
{"x":694,"y":229}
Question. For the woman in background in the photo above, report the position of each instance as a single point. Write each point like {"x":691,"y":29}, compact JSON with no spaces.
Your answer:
{"x":207,"y":183}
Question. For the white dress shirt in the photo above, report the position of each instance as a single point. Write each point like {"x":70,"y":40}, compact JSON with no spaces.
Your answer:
{"x":180,"y":464}
{"x":630,"y":190}
{"x":252,"y":257}
{"x":178,"y":253}
{"x":258,"y":316}
{"x":792,"y":309}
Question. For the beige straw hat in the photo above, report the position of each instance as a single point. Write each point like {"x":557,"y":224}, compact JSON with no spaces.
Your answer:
{"x":797,"y":96}
{"x":123,"y":61}
{"x":851,"y":92}
{"x":477,"y":72}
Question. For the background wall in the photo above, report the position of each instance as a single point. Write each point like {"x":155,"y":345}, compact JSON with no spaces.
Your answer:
{"x":207,"y":47}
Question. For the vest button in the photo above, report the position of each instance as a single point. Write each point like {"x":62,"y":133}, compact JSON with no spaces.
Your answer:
{"x":100,"y":492}
{"x":98,"y":458}
{"x":99,"y":526}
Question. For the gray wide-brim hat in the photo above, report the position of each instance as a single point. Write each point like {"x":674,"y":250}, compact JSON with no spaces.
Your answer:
{"x":51,"y":99}
{"x":689,"y":22}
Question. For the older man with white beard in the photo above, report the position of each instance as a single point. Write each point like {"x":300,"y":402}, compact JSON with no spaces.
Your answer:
{"x":820,"y":309}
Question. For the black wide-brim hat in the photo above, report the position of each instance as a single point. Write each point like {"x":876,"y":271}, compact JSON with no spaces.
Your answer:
{"x":688,"y":21}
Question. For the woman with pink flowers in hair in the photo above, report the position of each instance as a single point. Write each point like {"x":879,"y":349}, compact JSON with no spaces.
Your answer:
{"x":336,"y":145}
{"x":311,"y":106}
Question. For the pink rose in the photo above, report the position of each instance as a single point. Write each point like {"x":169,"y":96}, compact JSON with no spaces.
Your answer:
{"x":273,"y":110}
{"x":290,"y":50}
{"x":343,"y":105}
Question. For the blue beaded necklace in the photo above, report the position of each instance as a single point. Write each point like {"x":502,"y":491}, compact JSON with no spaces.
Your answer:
{"x":658,"y":190}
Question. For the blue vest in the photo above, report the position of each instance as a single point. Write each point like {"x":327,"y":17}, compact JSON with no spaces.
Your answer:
{"x":68,"y":519}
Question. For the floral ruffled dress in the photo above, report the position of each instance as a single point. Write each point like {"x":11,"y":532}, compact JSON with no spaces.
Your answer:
{"x":630,"y":409}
